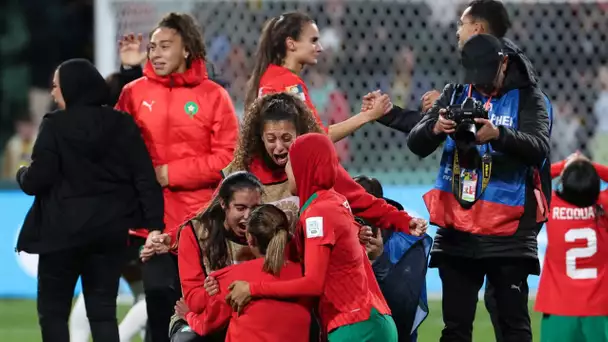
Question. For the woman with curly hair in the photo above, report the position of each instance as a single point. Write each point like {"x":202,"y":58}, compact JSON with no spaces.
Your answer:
{"x":270,"y":126}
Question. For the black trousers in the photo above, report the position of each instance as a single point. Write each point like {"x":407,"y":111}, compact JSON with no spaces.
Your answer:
{"x":100,"y":265}
{"x":163,"y":290}
{"x":462,"y":279}
{"x":490,"y":302}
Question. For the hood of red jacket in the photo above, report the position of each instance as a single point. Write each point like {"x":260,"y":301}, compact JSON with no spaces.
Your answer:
{"x":193,"y":76}
{"x":314,"y":163}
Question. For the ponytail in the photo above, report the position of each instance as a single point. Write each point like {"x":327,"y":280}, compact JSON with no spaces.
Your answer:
{"x":271,"y":47}
{"x":263,"y":58}
{"x":275,"y":252}
{"x":269,"y":227}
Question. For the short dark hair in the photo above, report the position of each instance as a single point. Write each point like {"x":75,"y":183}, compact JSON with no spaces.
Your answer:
{"x":371,"y":185}
{"x":494,"y":12}
{"x":580,"y":184}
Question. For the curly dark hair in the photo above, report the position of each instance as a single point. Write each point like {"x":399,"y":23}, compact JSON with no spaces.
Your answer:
{"x":273,"y":107}
{"x":189,"y":30}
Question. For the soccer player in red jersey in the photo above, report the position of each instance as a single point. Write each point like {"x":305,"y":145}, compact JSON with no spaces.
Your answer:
{"x":267,"y":236}
{"x":336,"y":268}
{"x":573,"y":290}
{"x":288,"y":43}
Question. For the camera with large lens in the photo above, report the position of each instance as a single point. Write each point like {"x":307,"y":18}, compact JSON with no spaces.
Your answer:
{"x":464,"y":116}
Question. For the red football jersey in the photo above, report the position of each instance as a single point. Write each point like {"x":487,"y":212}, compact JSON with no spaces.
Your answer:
{"x":277,"y":79}
{"x":259,"y":319}
{"x":349,"y":290}
{"x":574,"y":279}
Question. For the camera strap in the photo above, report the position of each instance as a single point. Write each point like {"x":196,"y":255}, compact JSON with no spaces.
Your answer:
{"x":464,"y":181}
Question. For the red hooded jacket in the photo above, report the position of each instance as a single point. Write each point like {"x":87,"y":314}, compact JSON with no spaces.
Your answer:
{"x":189,"y":124}
{"x":336,"y":266}
{"x":374,"y":210}
{"x":263,"y":320}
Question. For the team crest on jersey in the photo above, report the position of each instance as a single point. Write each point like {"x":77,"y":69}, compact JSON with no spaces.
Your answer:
{"x":297,"y":90}
{"x":347,"y":206}
{"x":191,"y":108}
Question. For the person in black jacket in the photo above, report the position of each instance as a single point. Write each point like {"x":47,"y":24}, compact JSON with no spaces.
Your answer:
{"x":93,"y":180}
{"x":491,"y":232}
{"x":491,"y":17}
{"x":479,"y":17}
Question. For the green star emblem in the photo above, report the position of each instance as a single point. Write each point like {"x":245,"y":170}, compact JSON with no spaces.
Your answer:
{"x":191,"y":108}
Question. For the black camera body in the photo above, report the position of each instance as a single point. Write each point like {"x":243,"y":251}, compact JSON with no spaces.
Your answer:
{"x":464,"y":116}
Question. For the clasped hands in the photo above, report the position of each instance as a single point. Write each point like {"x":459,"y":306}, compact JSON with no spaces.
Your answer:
{"x":156,"y":243}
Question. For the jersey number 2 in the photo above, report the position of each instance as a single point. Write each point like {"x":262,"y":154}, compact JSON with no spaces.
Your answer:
{"x":572,"y":254}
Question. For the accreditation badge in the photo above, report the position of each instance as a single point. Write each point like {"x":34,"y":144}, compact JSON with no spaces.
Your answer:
{"x":469,"y":185}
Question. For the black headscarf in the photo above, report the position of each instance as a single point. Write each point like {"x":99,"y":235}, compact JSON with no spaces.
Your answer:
{"x":81,"y":84}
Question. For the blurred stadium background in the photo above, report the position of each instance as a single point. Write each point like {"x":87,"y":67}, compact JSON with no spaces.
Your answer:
{"x":403,"y":47}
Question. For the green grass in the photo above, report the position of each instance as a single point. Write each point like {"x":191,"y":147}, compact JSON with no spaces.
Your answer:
{"x":18,"y":322}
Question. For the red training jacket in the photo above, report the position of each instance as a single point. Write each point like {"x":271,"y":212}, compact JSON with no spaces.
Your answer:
{"x":189,"y":124}
{"x":263,"y":320}
{"x":574,"y":279}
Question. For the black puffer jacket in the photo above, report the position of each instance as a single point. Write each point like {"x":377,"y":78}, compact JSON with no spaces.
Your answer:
{"x":529,"y":145}
{"x":91,"y":173}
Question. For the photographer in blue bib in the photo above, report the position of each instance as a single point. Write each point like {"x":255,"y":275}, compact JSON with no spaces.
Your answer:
{"x":487,"y":200}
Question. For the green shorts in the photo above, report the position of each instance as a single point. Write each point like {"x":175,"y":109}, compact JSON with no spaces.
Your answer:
{"x":574,"y":329}
{"x":378,"y":328}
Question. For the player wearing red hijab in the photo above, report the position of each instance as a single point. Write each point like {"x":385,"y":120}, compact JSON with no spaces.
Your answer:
{"x":288,"y":43}
{"x":573,"y":290}
{"x":336,"y":268}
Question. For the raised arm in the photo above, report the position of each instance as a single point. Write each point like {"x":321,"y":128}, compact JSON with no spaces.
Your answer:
{"x":400,"y":119}
{"x":557,"y":168}
{"x":422,"y":139}
{"x":370,"y":208}
{"x":347,"y":127}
